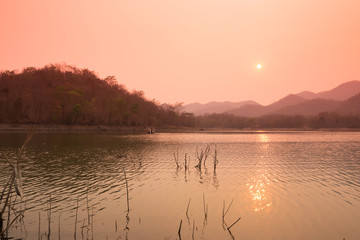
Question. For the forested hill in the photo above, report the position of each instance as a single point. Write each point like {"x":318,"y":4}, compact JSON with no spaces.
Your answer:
{"x":62,"y":94}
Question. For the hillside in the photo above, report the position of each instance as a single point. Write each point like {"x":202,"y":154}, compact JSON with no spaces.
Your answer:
{"x":61,"y":94}
{"x":66,"y":95}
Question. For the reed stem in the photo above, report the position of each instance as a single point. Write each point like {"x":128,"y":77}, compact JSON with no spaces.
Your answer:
{"x":187,"y":209}
{"x":127,"y":192}
{"x":76,"y":216}
{"x":180,"y":229}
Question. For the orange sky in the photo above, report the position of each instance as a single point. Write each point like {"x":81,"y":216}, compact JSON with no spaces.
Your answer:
{"x":191,"y":50}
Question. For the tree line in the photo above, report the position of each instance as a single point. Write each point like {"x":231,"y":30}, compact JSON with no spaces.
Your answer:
{"x":63,"y":94}
{"x":321,"y":120}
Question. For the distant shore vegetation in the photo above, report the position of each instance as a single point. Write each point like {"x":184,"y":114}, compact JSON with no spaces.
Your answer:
{"x":66,"y":95}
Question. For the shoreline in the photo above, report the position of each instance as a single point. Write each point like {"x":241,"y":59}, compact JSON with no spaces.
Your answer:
{"x":121,"y":129}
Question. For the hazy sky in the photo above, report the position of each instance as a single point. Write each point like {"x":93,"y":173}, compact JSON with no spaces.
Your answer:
{"x":191,"y":50}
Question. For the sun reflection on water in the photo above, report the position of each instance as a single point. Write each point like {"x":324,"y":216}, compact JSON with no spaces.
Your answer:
{"x":259,"y":184}
{"x":264,"y":138}
{"x":259,"y":189}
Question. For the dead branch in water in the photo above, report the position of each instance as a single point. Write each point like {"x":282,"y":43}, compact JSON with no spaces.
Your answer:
{"x":59,"y":226}
{"x":187,"y":209}
{"x":223,"y":219}
{"x":225,"y":212}
{"x":16,"y":182}
{"x":49,"y":219}
{"x":205,"y":210}
{"x":127,"y":192}
{"x":176,"y":158}
{"x":233,"y":223}
{"x":186,"y":166}
{"x":202,"y":155}
{"x":215,"y":158}
{"x":207,"y":152}
{"x":199,"y":157}
{"x":180,"y":229}
{"x":76,"y":215}
{"x":39,"y":227}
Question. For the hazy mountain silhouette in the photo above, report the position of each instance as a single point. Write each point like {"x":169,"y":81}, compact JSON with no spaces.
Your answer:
{"x":310,"y":107}
{"x":215,"y":107}
{"x":350,"y":106}
{"x":340,"y":99}
{"x":307,"y":95}
{"x":316,"y":106}
{"x":256,"y":111}
{"x":341,"y":92}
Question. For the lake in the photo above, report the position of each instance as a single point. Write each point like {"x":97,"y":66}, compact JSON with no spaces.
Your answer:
{"x":283,"y":185}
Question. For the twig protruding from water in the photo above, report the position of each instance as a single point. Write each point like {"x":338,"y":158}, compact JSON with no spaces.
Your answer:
{"x":223,"y":219}
{"x":205,"y":210}
{"x":76,"y":215}
{"x":49,"y":219}
{"x":233,"y":224}
{"x":180,"y":229}
{"x":215,"y":158}
{"x":187,"y":209}
{"x":176,"y":158}
{"x":127,"y":192}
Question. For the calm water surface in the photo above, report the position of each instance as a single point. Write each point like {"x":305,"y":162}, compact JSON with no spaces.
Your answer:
{"x":283,"y":185}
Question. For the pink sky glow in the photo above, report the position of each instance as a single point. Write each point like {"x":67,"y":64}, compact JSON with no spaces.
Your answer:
{"x":191,"y":50}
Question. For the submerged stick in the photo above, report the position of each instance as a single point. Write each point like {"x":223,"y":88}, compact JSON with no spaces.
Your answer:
{"x":49,"y":219}
{"x":7,"y":159}
{"x":8,"y":194}
{"x":186,"y":162}
{"x":92,"y":222}
{"x":223,"y":218}
{"x":87,"y":203}
{"x":76,"y":215}
{"x":193,"y":230}
{"x":59,"y":226}
{"x":228,"y":207}
{"x":207,"y":152}
{"x":39,"y":227}
{"x":176,"y":158}
{"x":215,"y":158}
{"x":3,"y":192}
{"x":205,"y":210}
{"x":199,"y":157}
{"x":82,"y":229}
{"x":127,"y":192}
{"x":234,"y":223}
{"x":21,"y":214}
{"x":187,"y":209}
{"x":180,"y":229}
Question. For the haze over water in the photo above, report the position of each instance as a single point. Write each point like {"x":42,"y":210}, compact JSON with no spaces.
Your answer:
{"x":295,"y":185}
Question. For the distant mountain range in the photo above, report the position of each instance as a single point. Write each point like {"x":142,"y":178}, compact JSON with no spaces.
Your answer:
{"x":216,"y":107}
{"x":345,"y":98}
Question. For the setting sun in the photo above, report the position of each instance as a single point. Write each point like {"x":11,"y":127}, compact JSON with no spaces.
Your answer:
{"x":258,"y":66}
